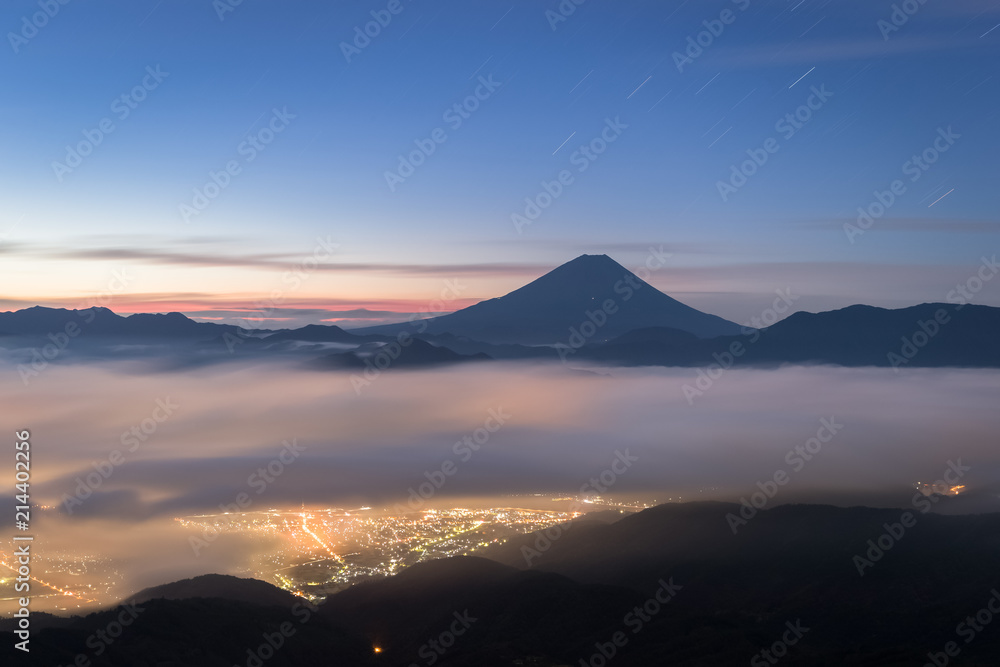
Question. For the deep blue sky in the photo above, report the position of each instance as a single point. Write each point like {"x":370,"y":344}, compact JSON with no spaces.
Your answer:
{"x":324,"y":174}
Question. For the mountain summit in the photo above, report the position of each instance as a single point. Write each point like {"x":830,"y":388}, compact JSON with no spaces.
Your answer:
{"x":592,"y":294}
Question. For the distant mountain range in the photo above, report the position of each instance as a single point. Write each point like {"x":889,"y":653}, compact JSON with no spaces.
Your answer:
{"x":928,"y":335}
{"x":674,"y":580}
{"x":98,"y":321}
{"x":417,"y":353}
{"x":590,"y":310}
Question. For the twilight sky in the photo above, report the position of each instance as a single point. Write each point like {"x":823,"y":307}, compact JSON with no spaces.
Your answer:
{"x":300,"y":120}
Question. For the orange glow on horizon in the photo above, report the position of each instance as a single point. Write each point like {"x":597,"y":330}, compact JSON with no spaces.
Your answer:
{"x":255,"y":307}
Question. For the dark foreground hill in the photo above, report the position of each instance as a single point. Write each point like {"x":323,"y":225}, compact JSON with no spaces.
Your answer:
{"x":673,"y":585}
{"x":221,"y":586}
{"x":868,"y":586}
{"x":195,"y":632}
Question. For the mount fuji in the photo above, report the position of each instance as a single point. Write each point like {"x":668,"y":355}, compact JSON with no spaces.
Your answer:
{"x":590,"y":288}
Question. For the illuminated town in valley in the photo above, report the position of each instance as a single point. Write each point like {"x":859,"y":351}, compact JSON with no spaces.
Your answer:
{"x":310,"y":552}
{"x":323,"y":551}
{"x":316,"y":552}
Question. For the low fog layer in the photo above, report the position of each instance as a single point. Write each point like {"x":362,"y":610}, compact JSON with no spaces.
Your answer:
{"x":561,"y":427}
